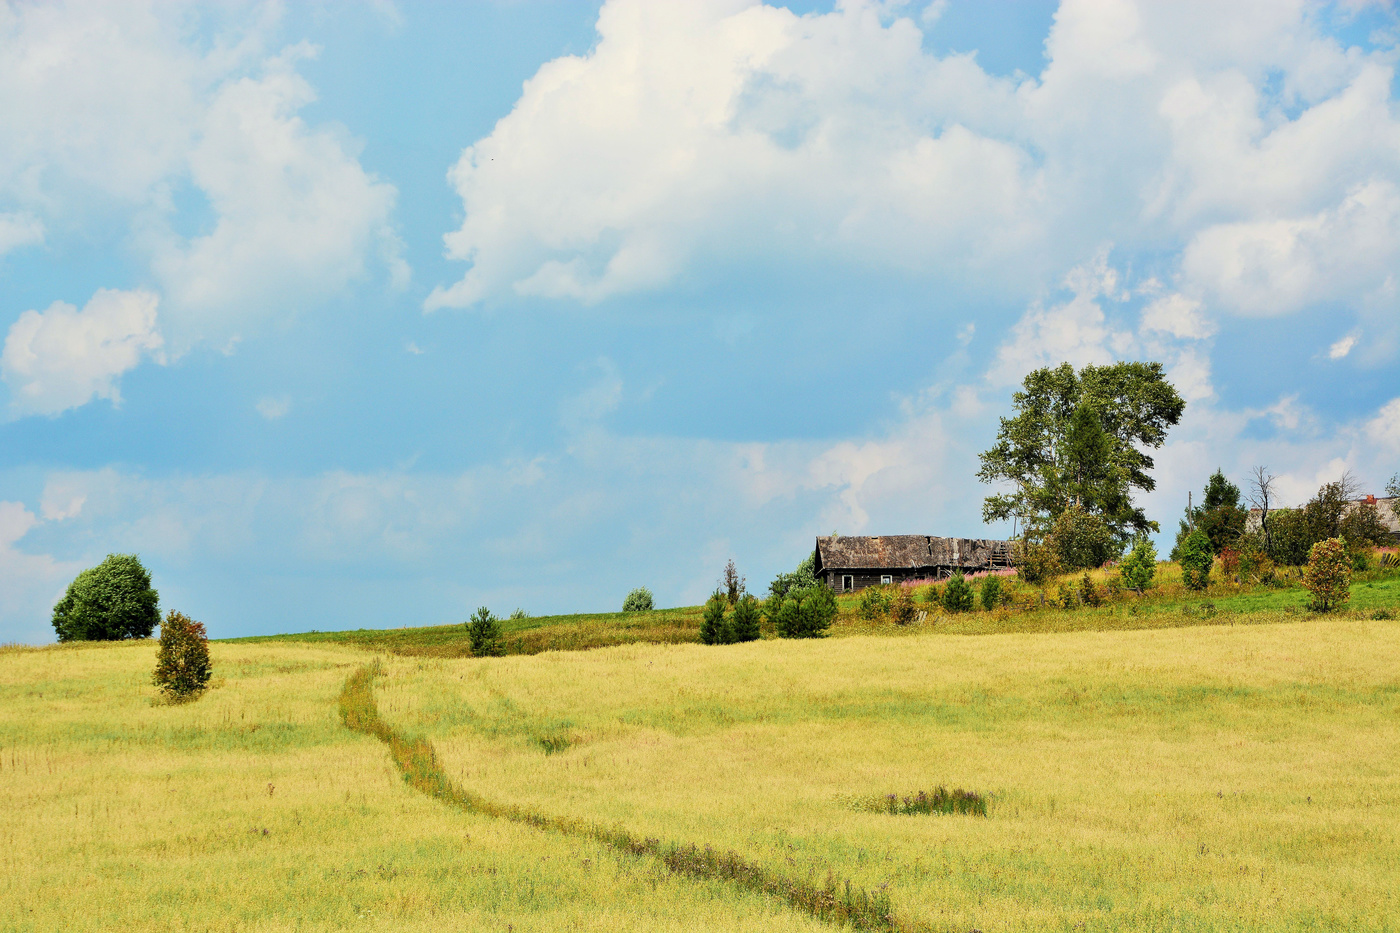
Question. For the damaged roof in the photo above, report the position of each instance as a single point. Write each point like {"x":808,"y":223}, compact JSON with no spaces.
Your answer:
{"x":907,"y":552}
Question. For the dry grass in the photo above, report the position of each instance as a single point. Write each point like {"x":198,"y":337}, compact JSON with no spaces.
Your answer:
{"x":254,"y":809}
{"x":1194,"y":778}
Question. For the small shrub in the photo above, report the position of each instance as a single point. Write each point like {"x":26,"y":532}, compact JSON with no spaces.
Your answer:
{"x":957,"y":594}
{"x":182,"y":661}
{"x":1140,"y":566}
{"x":639,"y":600}
{"x":714,"y":628}
{"x":1328,"y":575}
{"x":801,"y":578}
{"x":1036,"y":561}
{"x":933,"y":595}
{"x":744,"y":625}
{"x":1066,"y":597}
{"x":902,"y":609}
{"x":874,"y":603}
{"x":991,"y":593}
{"x":1196,"y":558}
{"x":1089,"y":593}
{"x":518,"y":615}
{"x":109,"y":602}
{"x":484,"y":633}
{"x":805,"y":613}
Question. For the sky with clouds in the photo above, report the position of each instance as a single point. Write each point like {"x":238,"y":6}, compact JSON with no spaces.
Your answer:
{"x":366,"y":315}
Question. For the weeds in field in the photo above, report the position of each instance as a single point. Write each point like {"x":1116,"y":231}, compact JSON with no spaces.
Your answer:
{"x":940,"y":801}
{"x":417,"y":761}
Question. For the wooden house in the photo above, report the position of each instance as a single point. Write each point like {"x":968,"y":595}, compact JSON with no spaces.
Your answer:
{"x":847,"y":563}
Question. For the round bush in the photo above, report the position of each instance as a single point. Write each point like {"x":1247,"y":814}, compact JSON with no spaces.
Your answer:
{"x":109,"y":602}
{"x":957,"y":594}
{"x":182,"y":663}
{"x":1196,"y":558}
{"x":1328,"y":574}
{"x":639,"y":600}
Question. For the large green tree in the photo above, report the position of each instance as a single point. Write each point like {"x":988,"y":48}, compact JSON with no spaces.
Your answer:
{"x":111,"y":601}
{"x":1079,"y":440}
{"x":1219,"y":515}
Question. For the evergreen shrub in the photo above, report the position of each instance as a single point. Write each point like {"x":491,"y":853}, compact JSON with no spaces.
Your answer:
{"x":714,"y":628}
{"x":957,"y":594}
{"x":902,"y":606}
{"x":804,"y":613}
{"x":991,"y":592}
{"x":639,"y":600}
{"x":744,"y":626}
{"x":1196,"y":558}
{"x":484,"y":632}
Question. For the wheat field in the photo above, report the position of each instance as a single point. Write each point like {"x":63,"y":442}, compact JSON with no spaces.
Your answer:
{"x":1218,"y":777}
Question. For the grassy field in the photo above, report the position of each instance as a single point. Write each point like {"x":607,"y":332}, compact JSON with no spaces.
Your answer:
{"x":1152,"y":765}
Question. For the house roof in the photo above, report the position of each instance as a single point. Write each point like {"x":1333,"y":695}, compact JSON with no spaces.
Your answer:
{"x":1386,"y":511}
{"x":906,"y":552}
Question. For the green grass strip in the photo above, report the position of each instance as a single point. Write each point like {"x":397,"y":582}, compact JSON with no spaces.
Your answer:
{"x":417,"y":761}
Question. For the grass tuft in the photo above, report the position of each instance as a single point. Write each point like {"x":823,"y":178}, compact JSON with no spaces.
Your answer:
{"x":940,"y":801}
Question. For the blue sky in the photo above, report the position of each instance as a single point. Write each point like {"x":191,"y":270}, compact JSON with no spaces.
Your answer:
{"x":360,"y":316}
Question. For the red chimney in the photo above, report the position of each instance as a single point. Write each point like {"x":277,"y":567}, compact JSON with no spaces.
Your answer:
{"x":1370,"y":500}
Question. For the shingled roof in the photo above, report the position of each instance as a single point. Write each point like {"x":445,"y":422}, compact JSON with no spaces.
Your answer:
{"x":907,"y":552}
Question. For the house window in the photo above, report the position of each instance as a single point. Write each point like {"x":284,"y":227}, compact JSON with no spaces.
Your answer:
{"x":886,"y":578}
{"x":848,"y":583}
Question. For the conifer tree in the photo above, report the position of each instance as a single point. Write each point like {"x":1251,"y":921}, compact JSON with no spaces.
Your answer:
{"x":744,"y":626}
{"x":714,"y":628}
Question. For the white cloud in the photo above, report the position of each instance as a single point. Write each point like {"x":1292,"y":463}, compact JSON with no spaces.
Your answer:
{"x":1384,"y":428}
{"x":297,"y":214}
{"x":1341,"y":348}
{"x":272,"y":408}
{"x":62,"y":357}
{"x":1272,"y":267}
{"x":1179,"y":316}
{"x":20,"y":229}
{"x":29,"y":583}
{"x":722,"y":128}
{"x":138,"y":110}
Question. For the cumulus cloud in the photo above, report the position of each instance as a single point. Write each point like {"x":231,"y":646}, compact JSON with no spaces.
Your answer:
{"x":19,"y":229}
{"x":140,"y":110}
{"x":1271,"y":267}
{"x":725,"y":127}
{"x":29,"y":583}
{"x":61,"y":358}
{"x":701,"y":133}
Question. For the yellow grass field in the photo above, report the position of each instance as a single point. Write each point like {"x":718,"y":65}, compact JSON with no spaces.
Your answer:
{"x":1217,"y":777}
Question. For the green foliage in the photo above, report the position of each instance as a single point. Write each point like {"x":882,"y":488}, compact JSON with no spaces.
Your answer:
{"x":801,"y":578}
{"x":902,"y":609}
{"x":1081,"y":539}
{"x":1065,"y":596}
{"x":804,"y":613}
{"x":874,"y":603}
{"x":1219,"y":515}
{"x":1036,"y":561}
{"x":519,"y":615}
{"x":991,"y":592}
{"x":109,"y":602}
{"x":744,"y":625}
{"x":1077,"y":439}
{"x":484,"y":632}
{"x":1089,"y":593}
{"x":1332,"y":513}
{"x":1196,"y":558}
{"x":1140,"y":566}
{"x":957,"y":594}
{"x":639,"y":600}
{"x":182,"y":661}
{"x":1328,"y":574}
{"x":714,"y":628}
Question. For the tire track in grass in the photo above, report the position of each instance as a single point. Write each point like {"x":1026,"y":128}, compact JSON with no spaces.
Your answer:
{"x":416,"y":759}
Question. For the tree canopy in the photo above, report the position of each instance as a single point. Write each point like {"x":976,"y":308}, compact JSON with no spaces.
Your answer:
{"x":1078,"y":439}
{"x":111,"y":601}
